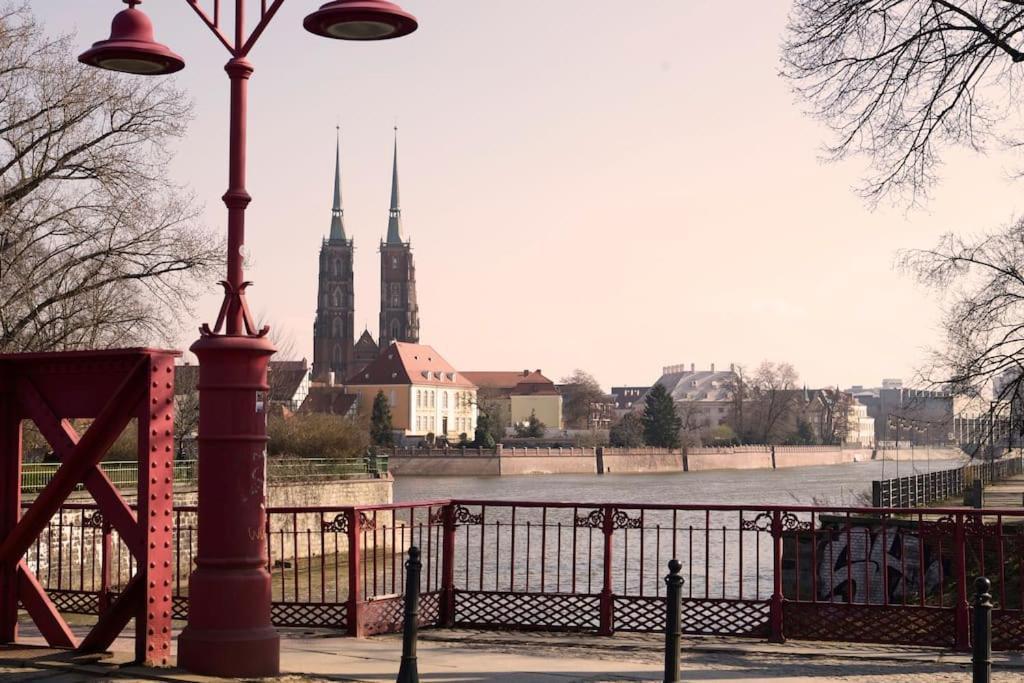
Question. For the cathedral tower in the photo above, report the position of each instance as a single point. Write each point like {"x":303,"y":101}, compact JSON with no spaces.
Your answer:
{"x":333,"y":331}
{"x":399,"y":312}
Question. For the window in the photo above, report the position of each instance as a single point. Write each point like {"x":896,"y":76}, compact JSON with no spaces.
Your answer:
{"x":337,"y":353}
{"x":394,"y":263}
{"x":396,"y":294}
{"x":444,"y":400}
{"x":394,"y":329}
{"x":336,"y":326}
{"x":337,"y":297}
{"x":337,"y":266}
{"x":391,"y":400}
{"x":432,"y":397}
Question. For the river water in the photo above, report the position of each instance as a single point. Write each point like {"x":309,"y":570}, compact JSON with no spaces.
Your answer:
{"x":836,"y":485}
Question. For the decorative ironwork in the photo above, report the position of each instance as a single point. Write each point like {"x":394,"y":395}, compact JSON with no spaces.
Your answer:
{"x":93,"y":521}
{"x":945,"y":526}
{"x":76,"y":602}
{"x":462,"y":515}
{"x":366,"y":522}
{"x":622,"y":520}
{"x":527,"y":610}
{"x":699,"y":617}
{"x":337,"y":525}
{"x":763,"y":522}
{"x":388,"y":614}
{"x":332,"y":615}
{"x":901,"y":624}
{"x":790,"y":522}
{"x":436,"y":518}
{"x":592,"y":520}
{"x":974,"y":525}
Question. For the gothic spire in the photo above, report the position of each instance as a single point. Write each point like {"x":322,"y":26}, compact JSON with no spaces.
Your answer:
{"x":395,"y":214}
{"x":337,"y":213}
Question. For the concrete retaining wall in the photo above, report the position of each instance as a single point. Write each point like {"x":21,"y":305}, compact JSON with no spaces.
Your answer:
{"x":641,"y":462}
{"x":737,"y":458}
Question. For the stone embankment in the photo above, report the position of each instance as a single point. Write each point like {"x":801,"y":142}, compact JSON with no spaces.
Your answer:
{"x":477,"y":462}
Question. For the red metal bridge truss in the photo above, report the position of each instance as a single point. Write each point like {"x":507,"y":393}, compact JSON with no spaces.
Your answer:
{"x":104,"y":390}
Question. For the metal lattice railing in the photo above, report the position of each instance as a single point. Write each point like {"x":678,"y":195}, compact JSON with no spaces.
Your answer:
{"x":930,"y":488}
{"x":125,"y":474}
{"x":814,"y":572}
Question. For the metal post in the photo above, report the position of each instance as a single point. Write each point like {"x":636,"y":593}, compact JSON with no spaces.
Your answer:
{"x":229,"y":630}
{"x":447,"y":610}
{"x":673,"y":620}
{"x":606,"y":600}
{"x":962,"y":608}
{"x":981,"y":660}
{"x":776,"y":634}
{"x":408,"y":672}
{"x":355,"y":587}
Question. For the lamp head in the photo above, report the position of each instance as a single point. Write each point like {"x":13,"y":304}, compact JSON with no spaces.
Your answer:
{"x":132,"y":47}
{"x":360,"y":20}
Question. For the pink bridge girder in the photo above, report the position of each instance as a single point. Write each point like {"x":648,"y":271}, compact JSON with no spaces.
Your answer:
{"x":106,"y":389}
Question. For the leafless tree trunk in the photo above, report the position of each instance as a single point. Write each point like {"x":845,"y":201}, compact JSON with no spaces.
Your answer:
{"x":97,"y":246}
{"x":898,"y":79}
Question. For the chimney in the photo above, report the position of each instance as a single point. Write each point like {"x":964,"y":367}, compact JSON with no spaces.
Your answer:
{"x":712,"y":367}
{"x":526,"y":373}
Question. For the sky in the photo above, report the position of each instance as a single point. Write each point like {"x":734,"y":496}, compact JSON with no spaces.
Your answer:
{"x":586,"y":184}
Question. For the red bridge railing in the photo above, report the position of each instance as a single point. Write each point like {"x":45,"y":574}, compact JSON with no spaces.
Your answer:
{"x":776,"y":572}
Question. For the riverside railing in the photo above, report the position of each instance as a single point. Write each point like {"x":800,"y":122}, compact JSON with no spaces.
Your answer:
{"x":125,"y":474}
{"x":919,"y":490}
{"x":770,"y":572}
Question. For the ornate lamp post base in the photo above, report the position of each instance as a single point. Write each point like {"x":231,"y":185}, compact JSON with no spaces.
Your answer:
{"x":229,"y":631}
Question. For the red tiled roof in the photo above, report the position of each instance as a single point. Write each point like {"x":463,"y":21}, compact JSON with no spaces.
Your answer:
{"x":513,"y":383}
{"x":405,"y":363}
{"x":330,"y":400}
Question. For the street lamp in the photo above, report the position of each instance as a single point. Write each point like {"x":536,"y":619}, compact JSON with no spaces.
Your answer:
{"x":229,"y":630}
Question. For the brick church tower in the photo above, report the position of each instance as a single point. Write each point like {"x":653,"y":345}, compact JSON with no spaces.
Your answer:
{"x":333,"y":330}
{"x":399,"y":312}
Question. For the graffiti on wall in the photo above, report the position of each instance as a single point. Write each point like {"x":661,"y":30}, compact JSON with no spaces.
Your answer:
{"x":863,"y":563}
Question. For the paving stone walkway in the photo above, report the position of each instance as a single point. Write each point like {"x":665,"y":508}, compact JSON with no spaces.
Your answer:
{"x":455,"y":656}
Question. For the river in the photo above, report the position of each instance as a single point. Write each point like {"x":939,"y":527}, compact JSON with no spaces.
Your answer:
{"x":836,"y":485}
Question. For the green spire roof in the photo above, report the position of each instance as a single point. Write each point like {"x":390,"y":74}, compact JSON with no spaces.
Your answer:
{"x":395,"y":214}
{"x":337,"y":213}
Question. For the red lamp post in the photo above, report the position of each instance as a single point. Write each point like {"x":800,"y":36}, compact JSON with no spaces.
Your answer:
{"x":229,"y":631}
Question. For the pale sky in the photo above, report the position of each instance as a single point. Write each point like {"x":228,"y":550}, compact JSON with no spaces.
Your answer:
{"x":587,"y":183}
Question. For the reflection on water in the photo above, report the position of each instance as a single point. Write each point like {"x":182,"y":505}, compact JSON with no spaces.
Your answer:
{"x":826,"y":485}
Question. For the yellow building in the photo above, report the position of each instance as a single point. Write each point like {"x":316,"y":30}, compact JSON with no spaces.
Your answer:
{"x":524,"y":393}
{"x":425,"y":393}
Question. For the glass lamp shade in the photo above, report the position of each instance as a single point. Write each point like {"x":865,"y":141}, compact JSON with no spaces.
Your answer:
{"x":361,"y":20}
{"x":132,"y":48}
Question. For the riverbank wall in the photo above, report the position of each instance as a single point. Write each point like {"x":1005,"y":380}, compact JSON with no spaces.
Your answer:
{"x":475,"y":462}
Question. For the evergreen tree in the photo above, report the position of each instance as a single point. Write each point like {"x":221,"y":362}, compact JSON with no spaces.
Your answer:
{"x":627,"y":432}
{"x":381,"y":431}
{"x":482,"y":436}
{"x":661,"y":422}
{"x":533,"y":429}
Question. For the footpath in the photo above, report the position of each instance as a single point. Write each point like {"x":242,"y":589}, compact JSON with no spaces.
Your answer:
{"x":456,"y":656}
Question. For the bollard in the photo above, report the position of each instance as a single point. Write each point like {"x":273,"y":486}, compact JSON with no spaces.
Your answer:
{"x":981,"y":659}
{"x":673,"y":620}
{"x":408,"y":672}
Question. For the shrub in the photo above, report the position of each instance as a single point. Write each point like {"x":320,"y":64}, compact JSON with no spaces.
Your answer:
{"x":316,"y":435}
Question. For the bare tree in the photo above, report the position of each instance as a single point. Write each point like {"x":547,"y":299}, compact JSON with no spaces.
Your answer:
{"x":981,"y":280}
{"x":580,"y":394}
{"x":897,"y":79}
{"x":833,"y":415}
{"x":97,"y":246}
{"x":772,"y":400}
